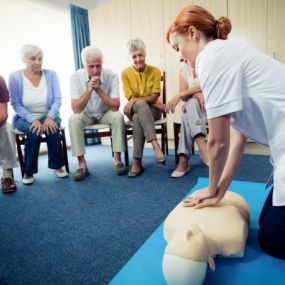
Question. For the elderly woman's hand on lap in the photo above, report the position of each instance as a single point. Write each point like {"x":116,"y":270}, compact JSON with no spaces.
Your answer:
{"x":50,"y":126}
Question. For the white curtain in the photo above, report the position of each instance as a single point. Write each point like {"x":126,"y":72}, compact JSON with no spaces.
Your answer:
{"x":46,"y":24}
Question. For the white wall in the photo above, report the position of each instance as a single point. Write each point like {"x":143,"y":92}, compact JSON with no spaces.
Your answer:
{"x":113,"y":24}
{"x":258,"y":22}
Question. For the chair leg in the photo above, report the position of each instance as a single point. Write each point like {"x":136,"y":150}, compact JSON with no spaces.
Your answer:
{"x":111,"y":142}
{"x":176,"y":140}
{"x":166,"y":140}
{"x":19,"y":141}
{"x":163,"y":139}
{"x":64,"y":150}
{"x":127,"y":151}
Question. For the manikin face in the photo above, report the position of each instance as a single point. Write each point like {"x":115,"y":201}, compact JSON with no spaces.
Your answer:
{"x":187,"y":46}
{"x":93,"y":66}
{"x":34,"y":62}
{"x":138,"y":58}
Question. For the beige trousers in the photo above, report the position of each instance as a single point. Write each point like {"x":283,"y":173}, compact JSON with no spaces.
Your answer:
{"x":143,"y":117}
{"x":78,"y":121}
{"x":7,"y":147}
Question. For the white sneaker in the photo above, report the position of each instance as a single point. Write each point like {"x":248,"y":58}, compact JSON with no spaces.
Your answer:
{"x":61,"y":174}
{"x":28,"y":181}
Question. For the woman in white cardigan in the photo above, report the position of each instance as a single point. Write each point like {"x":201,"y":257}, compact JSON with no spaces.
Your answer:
{"x":36,"y":98}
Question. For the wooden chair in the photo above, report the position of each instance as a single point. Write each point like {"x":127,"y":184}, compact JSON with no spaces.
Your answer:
{"x":100,"y":131}
{"x":21,"y":139}
{"x":176,"y":131}
{"x":160,"y":125}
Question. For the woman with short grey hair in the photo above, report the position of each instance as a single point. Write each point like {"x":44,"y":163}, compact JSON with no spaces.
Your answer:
{"x":141,"y":84}
{"x":36,"y":99}
{"x":30,"y":50}
{"x":135,"y":44}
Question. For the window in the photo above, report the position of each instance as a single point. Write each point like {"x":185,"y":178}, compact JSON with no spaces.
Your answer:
{"x":42,"y":23}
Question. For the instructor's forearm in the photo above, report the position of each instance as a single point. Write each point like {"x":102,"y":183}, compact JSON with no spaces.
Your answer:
{"x":237,"y":145}
{"x":217,"y":155}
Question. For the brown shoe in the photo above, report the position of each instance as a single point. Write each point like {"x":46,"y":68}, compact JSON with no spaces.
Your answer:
{"x":133,"y":174}
{"x":81,"y":174}
{"x":8,"y":185}
{"x":120,"y":169}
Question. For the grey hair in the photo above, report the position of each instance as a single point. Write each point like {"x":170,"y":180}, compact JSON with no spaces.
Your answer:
{"x":135,"y":44}
{"x":90,"y":51}
{"x":30,"y":50}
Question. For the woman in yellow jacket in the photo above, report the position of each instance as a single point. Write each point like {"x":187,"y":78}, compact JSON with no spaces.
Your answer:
{"x":141,"y":84}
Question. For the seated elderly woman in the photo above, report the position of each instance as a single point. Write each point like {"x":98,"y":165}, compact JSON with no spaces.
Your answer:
{"x":36,"y":99}
{"x":193,"y":119}
{"x":141,"y":84}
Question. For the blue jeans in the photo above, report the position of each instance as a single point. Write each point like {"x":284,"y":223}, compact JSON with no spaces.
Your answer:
{"x":272,"y":228}
{"x":32,"y":146}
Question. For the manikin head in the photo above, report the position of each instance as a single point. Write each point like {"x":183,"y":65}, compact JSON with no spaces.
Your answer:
{"x":185,"y":258}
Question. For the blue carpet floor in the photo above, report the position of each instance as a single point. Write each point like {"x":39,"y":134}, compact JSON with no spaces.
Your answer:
{"x":145,"y":267}
{"x":59,"y":232}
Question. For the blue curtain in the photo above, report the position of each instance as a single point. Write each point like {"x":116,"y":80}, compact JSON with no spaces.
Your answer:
{"x":80,"y":32}
{"x":80,"y":39}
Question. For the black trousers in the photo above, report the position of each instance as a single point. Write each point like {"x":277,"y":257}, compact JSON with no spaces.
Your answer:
{"x":272,"y":228}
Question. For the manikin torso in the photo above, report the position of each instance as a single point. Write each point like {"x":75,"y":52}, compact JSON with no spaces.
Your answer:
{"x":195,"y":236}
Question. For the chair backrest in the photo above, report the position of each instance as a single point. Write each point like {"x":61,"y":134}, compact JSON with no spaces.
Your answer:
{"x":163,"y":87}
{"x":163,"y":90}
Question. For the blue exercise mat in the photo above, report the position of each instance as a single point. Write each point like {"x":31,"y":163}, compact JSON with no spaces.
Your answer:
{"x":145,"y":267}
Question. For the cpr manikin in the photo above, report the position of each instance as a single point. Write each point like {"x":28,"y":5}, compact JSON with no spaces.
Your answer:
{"x":195,"y":236}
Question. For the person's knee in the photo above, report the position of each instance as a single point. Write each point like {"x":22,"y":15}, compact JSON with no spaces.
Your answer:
{"x":33,"y":136}
{"x":74,"y":120}
{"x":272,"y":240}
{"x":118,"y":116}
{"x":117,"y":119}
{"x":191,"y":104}
{"x":57,"y":120}
{"x":7,"y":127}
{"x":54,"y":136}
{"x":141,"y":106}
{"x":7,"y":131}
{"x":196,"y":103}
